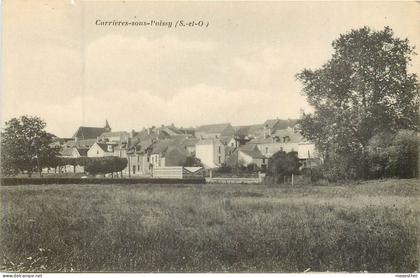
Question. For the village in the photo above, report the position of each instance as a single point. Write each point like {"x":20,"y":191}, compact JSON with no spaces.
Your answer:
{"x":213,"y":146}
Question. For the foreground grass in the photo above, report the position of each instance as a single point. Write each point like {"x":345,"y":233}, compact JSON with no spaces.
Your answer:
{"x":371,"y":226}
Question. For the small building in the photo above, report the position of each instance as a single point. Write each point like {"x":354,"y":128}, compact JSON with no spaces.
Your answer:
{"x":101,"y":150}
{"x":250,"y":154}
{"x":211,"y":152}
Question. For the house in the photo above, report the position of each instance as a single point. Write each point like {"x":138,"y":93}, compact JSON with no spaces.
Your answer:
{"x":151,"y":133}
{"x":271,"y":126}
{"x":229,"y":141}
{"x":80,"y":152}
{"x":71,"y":152}
{"x":211,"y":152}
{"x":138,"y":163}
{"x":66,"y":152}
{"x":214,"y":131}
{"x":188,"y":131}
{"x":250,"y":154}
{"x":115,"y":136}
{"x":281,"y":140}
{"x":307,"y":150}
{"x":167,"y":153}
{"x":138,"y":157}
{"x":189,"y":145}
{"x":87,"y":143}
{"x":84,"y":132}
{"x":285,"y":140}
{"x":101,"y":150}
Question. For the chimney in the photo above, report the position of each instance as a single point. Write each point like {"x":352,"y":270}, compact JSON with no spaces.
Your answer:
{"x":148,"y":131}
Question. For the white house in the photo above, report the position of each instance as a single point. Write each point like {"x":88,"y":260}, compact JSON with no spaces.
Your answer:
{"x":101,"y":150}
{"x":211,"y":152}
{"x":307,"y":150}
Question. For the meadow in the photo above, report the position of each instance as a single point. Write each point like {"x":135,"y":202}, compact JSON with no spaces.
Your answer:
{"x":356,"y":227}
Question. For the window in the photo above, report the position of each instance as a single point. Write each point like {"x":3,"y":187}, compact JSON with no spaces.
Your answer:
{"x":266,"y":149}
{"x":263,"y":160}
{"x":134,"y":169}
{"x":138,"y":167}
{"x":220,"y":149}
{"x":97,"y":152}
{"x":138,"y":158}
{"x":220,"y":159}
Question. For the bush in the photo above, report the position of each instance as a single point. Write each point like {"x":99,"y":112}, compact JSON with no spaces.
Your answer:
{"x":283,"y":164}
{"x":393,"y":155}
{"x":314,"y":174}
{"x":224,"y":169}
{"x":104,"y":165}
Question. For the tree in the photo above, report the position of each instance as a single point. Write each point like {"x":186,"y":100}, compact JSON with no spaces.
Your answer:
{"x":363,"y":90}
{"x":25,"y":146}
{"x":192,"y":161}
{"x":283,"y":164}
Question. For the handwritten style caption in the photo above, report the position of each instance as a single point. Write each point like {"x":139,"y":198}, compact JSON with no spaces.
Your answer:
{"x":154,"y":23}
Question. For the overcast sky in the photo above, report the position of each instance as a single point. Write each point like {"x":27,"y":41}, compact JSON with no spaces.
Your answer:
{"x":59,"y":65}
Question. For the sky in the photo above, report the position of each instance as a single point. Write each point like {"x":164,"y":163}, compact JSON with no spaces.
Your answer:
{"x":58,"y":64}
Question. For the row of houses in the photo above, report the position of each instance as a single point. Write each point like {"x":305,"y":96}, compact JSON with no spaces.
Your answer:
{"x":213,"y":145}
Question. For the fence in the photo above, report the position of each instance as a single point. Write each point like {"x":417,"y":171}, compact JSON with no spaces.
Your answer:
{"x":240,"y":180}
{"x":178,"y":172}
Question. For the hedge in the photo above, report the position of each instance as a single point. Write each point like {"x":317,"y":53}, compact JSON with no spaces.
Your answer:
{"x":37,"y":181}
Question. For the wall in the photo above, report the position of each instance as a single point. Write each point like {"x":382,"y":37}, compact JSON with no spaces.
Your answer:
{"x":140,"y":163}
{"x":95,"y":151}
{"x":218,"y":153}
{"x":206,"y":154}
{"x":304,"y":148}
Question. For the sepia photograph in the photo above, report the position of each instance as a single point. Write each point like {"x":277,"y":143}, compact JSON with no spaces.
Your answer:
{"x":209,"y":137}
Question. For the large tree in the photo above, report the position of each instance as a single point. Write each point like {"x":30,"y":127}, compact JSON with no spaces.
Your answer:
{"x":25,"y":146}
{"x":364,"y":89}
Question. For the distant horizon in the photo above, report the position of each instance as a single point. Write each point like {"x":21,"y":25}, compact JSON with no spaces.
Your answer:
{"x":155,"y":126}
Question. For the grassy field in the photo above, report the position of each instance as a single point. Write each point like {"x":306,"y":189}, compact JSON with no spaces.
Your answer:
{"x":370,"y":226}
